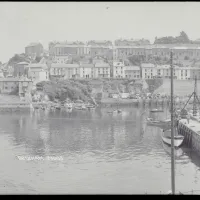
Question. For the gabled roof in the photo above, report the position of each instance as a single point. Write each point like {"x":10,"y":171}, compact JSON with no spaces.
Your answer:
{"x":147,"y":65}
{"x":37,"y":65}
{"x":58,"y":65}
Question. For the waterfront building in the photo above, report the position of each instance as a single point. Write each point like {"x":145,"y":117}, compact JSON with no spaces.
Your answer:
{"x":66,"y":71}
{"x":9,"y":85}
{"x":37,"y":72}
{"x":132,"y":72}
{"x":183,"y":73}
{"x":149,"y":71}
{"x":72,"y":71}
{"x":102,"y":70}
{"x":34,"y":49}
{"x":87,"y":71}
{"x":118,"y":69}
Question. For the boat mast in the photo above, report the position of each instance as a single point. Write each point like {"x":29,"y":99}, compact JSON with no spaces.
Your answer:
{"x":172,"y":128}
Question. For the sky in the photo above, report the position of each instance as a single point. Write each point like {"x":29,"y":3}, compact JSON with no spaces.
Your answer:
{"x":25,"y":22}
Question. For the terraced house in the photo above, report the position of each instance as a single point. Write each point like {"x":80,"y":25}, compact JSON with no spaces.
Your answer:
{"x":132,"y":72}
{"x":118,"y":69}
{"x":64,"y":70}
{"x":102,"y":70}
{"x":149,"y":71}
{"x":87,"y":71}
{"x":37,"y":72}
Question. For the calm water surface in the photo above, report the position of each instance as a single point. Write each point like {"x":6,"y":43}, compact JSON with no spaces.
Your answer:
{"x":102,"y":153}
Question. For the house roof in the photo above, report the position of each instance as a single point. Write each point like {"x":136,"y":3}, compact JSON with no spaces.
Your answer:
{"x":102,"y":65}
{"x":132,"y":68}
{"x":87,"y":65}
{"x":163,"y":66}
{"x":37,"y":65}
{"x":23,"y":63}
{"x":37,"y":69}
{"x":57,"y":65}
{"x":147,"y":65}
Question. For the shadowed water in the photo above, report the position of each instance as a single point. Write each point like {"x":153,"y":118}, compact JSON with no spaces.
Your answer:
{"x":102,"y":153}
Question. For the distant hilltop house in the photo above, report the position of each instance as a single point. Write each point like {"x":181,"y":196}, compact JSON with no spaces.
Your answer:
{"x":34,"y":49}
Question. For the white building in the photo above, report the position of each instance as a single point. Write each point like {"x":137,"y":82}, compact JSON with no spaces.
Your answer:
{"x":118,"y":69}
{"x":132,"y":72}
{"x":149,"y":71}
{"x":183,"y":73}
{"x":102,"y":70}
{"x":72,"y":71}
{"x":37,"y":72}
{"x":180,"y":73}
{"x":65,"y":70}
{"x":87,"y":71}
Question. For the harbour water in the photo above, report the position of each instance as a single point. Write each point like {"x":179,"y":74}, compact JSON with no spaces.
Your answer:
{"x":104,"y":153}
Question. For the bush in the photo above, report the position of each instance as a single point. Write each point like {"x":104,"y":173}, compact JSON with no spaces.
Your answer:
{"x":67,"y":89}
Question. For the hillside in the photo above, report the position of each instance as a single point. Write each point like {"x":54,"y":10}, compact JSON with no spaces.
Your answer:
{"x":85,"y":89}
{"x":181,"y":87}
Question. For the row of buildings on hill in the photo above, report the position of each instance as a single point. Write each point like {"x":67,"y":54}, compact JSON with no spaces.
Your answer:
{"x":42,"y":72}
{"x":121,"y":49}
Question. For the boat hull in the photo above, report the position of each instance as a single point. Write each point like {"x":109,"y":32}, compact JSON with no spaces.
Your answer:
{"x":177,"y":142}
{"x":166,"y":138}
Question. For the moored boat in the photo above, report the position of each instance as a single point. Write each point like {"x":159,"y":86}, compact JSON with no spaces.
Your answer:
{"x":166,"y":137}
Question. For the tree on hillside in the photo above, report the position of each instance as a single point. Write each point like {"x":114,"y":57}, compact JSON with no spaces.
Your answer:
{"x":18,"y":58}
{"x":181,"y":39}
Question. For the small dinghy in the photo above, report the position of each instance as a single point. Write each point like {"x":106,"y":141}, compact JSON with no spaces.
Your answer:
{"x":166,"y":137}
